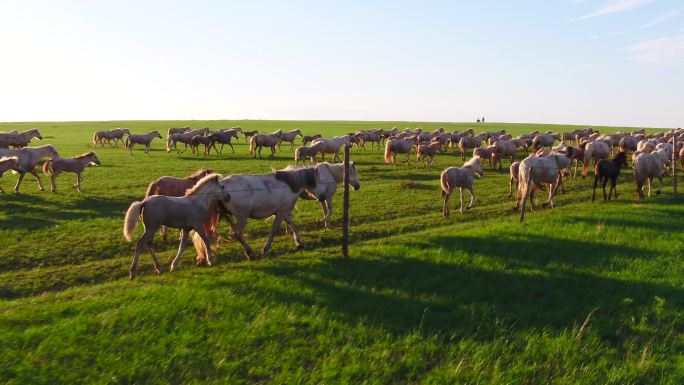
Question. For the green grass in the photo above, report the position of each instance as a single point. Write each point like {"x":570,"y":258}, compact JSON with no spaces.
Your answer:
{"x":478,"y":298}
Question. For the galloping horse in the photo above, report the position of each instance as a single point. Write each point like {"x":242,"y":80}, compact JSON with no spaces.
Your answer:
{"x":77,"y":164}
{"x":115,"y":134}
{"x":331,"y":175}
{"x":189,"y":212}
{"x":144,"y":139}
{"x":29,"y":157}
{"x":19,"y":140}
{"x":9,"y":163}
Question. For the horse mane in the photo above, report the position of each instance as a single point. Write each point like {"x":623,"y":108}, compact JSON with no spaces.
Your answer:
{"x":297,"y":179}
{"x":199,"y":185}
{"x":87,"y":154}
{"x":6,"y":158}
{"x":200,"y":174}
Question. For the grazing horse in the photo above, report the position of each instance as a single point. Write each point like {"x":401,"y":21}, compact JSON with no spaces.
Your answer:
{"x":309,"y":138}
{"x":539,"y":171}
{"x":646,"y":167}
{"x":462,"y":178}
{"x":174,"y":187}
{"x":115,"y":134}
{"x":331,"y":175}
{"x":189,"y":212}
{"x":608,"y":169}
{"x":427,"y":152}
{"x":77,"y":164}
{"x":259,"y":197}
{"x":310,"y":152}
{"x":468,"y":142}
{"x":399,"y":146}
{"x":332,"y":146}
{"x":29,"y":157}
{"x":596,"y":150}
{"x":224,"y":136}
{"x":258,"y":141}
{"x":289,"y":137}
{"x":19,"y":140}
{"x":9,"y":163}
{"x":144,"y":139}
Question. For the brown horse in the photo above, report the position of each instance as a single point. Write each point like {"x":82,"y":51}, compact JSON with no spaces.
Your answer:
{"x":332,"y":146}
{"x":189,"y":212}
{"x":427,"y":152}
{"x":608,"y":169}
{"x":115,"y":134}
{"x":207,"y":141}
{"x":19,"y":140}
{"x":29,"y":157}
{"x":144,"y":139}
{"x":259,"y":141}
{"x":174,"y":187}
{"x":9,"y":163}
{"x":177,"y":130}
{"x":77,"y":164}
{"x":224,"y":136}
{"x":310,"y":138}
{"x":249,"y":134}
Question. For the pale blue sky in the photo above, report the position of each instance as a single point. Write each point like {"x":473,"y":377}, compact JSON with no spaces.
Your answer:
{"x":596,"y":62}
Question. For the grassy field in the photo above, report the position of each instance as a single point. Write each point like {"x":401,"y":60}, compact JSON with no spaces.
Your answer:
{"x":478,"y":298}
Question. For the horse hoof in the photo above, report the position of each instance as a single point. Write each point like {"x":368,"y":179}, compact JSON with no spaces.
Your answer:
{"x":300,"y":246}
{"x":157,"y":271}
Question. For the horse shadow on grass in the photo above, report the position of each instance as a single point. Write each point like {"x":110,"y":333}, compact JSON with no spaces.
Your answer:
{"x":445,"y":299}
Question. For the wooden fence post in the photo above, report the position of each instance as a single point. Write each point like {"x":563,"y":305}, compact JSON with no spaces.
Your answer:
{"x":345,"y":207}
{"x":526,"y":194}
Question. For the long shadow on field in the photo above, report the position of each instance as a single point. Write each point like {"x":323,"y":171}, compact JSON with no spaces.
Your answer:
{"x":451,"y":300}
{"x":30,"y":212}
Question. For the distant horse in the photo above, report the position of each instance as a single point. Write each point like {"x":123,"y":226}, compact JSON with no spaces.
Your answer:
{"x":29,"y":157}
{"x":144,"y":139}
{"x":290,"y":137}
{"x":115,"y":134}
{"x":249,"y":134}
{"x":189,"y":212}
{"x":175,"y":187}
{"x":646,"y":167}
{"x":332,"y":146}
{"x":608,"y":169}
{"x":177,"y":130}
{"x":224,"y":137}
{"x":77,"y":164}
{"x":183,"y":137}
{"x":544,"y":140}
{"x":259,"y":141}
{"x":19,"y":140}
{"x":309,"y":138}
{"x":468,"y":142}
{"x":372,"y":137}
{"x":206,"y":141}
{"x":259,"y":197}
{"x":504,"y":148}
{"x":310,"y":152}
{"x":330,"y":175}
{"x":595,"y":150}
{"x":8,"y":163}
{"x":462,"y":178}
{"x":399,"y":146}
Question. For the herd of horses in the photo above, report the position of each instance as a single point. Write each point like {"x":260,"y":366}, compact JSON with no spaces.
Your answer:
{"x":196,"y":204}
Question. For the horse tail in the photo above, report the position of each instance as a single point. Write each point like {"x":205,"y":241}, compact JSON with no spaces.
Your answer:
{"x":169,"y":142}
{"x":444,"y":182}
{"x":297,"y":154}
{"x":200,"y":247}
{"x":388,"y":152}
{"x":47,"y":167}
{"x":127,"y":141}
{"x":96,"y":136}
{"x":151,"y":189}
{"x":131,"y":220}
{"x":252,"y":144}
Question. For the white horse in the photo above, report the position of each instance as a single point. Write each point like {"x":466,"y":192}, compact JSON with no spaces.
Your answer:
{"x":332,"y":146}
{"x":331,"y":175}
{"x":538,"y":171}
{"x":462,"y":178}
{"x":263,"y":196}
{"x":29,"y":157}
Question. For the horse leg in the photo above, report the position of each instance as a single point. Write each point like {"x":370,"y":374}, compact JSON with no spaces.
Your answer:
{"x":660,"y":184}
{"x":134,"y":265}
{"x":650,"y":181}
{"x":460,"y":189}
{"x":295,"y":234}
{"x":274,"y":229}
{"x":472,"y":198}
{"x":181,"y":247}
{"x":231,"y":147}
{"x":328,"y":215}
{"x":164,"y":232}
{"x":78,"y":182}
{"x":207,"y":242}
{"x":445,"y":209}
{"x":238,"y":227}
{"x":130,"y":148}
{"x":613,"y":187}
{"x":40,"y":184}
{"x":16,"y":187}
{"x":604,"y":183}
{"x":53,"y":185}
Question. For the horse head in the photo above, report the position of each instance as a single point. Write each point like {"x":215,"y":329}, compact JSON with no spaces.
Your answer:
{"x":354,"y":176}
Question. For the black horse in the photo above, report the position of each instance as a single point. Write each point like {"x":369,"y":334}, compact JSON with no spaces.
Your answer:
{"x":608,"y":169}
